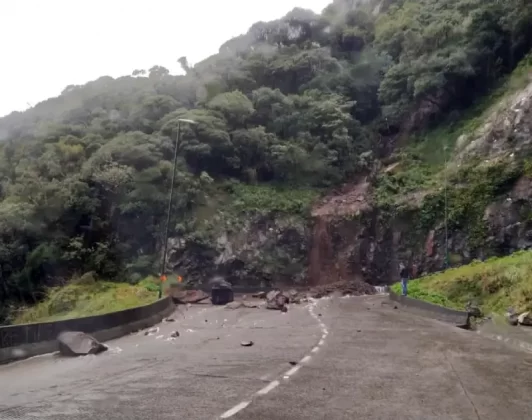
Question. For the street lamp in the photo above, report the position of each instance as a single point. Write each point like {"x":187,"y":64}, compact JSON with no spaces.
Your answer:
{"x":446,"y":210}
{"x":169,"y":210}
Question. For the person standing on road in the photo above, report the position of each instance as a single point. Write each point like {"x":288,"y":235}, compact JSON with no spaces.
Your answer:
{"x":403,"y":274}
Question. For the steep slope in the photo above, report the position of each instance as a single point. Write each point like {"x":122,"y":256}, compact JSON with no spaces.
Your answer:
{"x":285,"y":113}
{"x":480,"y":199}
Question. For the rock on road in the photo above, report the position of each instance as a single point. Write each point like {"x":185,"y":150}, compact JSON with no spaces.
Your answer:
{"x":357,"y":358}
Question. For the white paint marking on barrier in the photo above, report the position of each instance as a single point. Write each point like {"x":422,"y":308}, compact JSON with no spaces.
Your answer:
{"x":315,"y":350}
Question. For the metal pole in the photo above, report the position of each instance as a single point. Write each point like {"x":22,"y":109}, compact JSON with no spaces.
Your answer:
{"x":446,"y":211}
{"x":169,"y":210}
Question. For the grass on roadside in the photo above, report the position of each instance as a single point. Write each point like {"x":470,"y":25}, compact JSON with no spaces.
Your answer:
{"x":495,"y":285}
{"x":85,"y":297}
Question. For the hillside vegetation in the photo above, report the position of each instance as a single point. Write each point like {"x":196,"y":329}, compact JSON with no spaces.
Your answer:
{"x":285,"y":111}
{"x":495,"y":285}
{"x":86,"y":296}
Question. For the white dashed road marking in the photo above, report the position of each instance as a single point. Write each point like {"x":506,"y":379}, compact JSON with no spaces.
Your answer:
{"x":235,"y":409}
{"x":274,"y":384}
{"x":268,"y":388}
{"x":305,"y":359}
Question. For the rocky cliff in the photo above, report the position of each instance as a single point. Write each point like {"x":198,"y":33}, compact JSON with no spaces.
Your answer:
{"x":253,"y":236}
{"x":484,"y":193}
{"x":360,"y":232}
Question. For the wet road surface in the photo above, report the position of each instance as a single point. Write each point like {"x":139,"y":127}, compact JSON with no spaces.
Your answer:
{"x":357,"y":358}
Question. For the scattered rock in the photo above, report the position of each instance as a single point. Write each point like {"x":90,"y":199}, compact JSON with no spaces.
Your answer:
{"x":246,"y":343}
{"x":394,"y":306}
{"x":234,"y":305}
{"x":293,"y":363}
{"x":354,"y":288}
{"x":511,"y":317}
{"x":276,"y":300}
{"x":75,"y":343}
{"x":175,"y":334}
{"x":250,"y":305}
{"x":169,"y":320}
{"x":359,"y":330}
{"x":187,"y":296}
{"x":284,"y":309}
{"x":259,"y":295}
{"x":525,"y":319}
{"x":152,"y":331}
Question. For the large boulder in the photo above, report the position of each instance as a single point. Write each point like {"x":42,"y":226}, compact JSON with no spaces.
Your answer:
{"x":221,"y":291}
{"x":525,"y":319}
{"x":75,"y":343}
{"x":187,"y":296}
{"x":276,"y":300}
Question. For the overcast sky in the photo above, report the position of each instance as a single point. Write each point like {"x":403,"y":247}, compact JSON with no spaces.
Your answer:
{"x":46,"y":45}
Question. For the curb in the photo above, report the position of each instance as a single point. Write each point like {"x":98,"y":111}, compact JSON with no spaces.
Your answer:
{"x":27,"y":340}
{"x":451,"y":316}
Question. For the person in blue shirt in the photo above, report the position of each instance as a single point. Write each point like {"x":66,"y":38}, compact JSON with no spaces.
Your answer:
{"x":403,"y":274}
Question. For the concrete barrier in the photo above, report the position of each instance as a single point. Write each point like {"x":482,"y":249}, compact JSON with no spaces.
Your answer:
{"x":440,"y":313}
{"x":27,"y":340}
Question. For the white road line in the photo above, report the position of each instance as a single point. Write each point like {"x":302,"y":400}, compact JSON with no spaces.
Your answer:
{"x":268,"y":388}
{"x":292,"y":371}
{"x":235,"y":409}
{"x":274,"y":384}
{"x":305,"y":359}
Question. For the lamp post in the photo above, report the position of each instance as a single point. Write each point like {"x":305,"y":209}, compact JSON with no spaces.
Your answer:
{"x":170,"y":200}
{"x":446,"y":211}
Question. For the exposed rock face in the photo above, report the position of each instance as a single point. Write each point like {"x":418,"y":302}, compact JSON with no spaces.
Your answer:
{"x":348,"y":237}
{"x":261,"y":250}
{"x":354,"y":238}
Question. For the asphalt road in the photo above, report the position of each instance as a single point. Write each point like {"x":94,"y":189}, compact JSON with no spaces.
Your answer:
{"x":357,"y":358}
